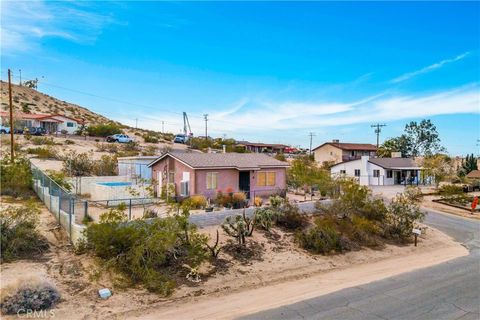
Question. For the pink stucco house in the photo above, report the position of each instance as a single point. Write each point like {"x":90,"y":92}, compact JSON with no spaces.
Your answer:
{"x":205,"y":173}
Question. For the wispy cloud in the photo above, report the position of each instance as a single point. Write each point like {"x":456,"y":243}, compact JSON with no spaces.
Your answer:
{"x":429,"y":68}
{"x":251,"y":117}
{"x":26,"y":23}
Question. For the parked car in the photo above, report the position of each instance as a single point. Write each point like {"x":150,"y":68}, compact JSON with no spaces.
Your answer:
{"x":4,"y":129}
{"x":36,"y":131}
{"x":180,"y":138}
{"x":122,"y":138}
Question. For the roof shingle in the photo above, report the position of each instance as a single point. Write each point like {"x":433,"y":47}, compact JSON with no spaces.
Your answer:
{"x":225,"y":160}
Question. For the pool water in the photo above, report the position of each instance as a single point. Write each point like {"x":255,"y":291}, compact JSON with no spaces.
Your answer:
{"x":115,"y":184}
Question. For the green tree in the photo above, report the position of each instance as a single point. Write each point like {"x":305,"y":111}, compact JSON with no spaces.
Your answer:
{"x":423,"y":138}
{"x":398,"y":144}
{"x":468,"y":165}
{"x":305,"y":173}
{"x":439,"y":167}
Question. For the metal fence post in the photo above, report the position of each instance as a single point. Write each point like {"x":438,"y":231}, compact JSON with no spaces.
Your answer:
{"x":59,"y":204}
{"x":130,"y":210}
{"x":85,"y":208}
{"x":70,"y":218}
{"x":50,"y":194}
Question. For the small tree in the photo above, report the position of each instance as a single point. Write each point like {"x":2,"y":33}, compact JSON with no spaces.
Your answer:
{"x":439,"y":167}
{"x":78,"y":164}
{"x":402,"y":216}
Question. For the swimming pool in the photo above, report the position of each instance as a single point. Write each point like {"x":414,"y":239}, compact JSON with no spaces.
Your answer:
{"x":114,"y":184}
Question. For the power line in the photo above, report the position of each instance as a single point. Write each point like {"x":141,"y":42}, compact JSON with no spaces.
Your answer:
{"x":378,"y":129}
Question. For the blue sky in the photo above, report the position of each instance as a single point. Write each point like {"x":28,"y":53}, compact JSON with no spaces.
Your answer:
{"x":263,"y":71}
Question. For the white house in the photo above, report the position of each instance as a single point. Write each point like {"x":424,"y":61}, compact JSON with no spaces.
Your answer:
{"x":52,"y":123}
{"x":380,"y":171}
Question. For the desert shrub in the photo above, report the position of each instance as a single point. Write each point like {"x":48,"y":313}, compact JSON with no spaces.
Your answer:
{"x":78,"y":164}
{"x":15,"y":178}
{"x":402,"y":216}
{"x":30,"y":295}
{"x":68,"y":141}
{"x":42,"y":141}
{"x":257,"y":201}
{"x":60,"y":178}
{"x":43,"y":152}
{"x":150,"y":139}
{"x":149,"y":151}
{"x":103,"y":130}
{"x":148,"y":252}
{"x":107,"y":147}
{"x":276,"y":201}
{"x":239,"y":200}
{"x":131,"y":146}
{"x":320,"y":240}
{"x":280,"y":157}
{"x":448,"y":190}
{"x":290,"y":218}
{"x":20,"y":237}
{"x":265,"y":218}
{"x":197,"y":202}
{"x":106,"y":166}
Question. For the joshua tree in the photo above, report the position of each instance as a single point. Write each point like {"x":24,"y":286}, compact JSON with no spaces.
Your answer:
{"x":239,"y":227}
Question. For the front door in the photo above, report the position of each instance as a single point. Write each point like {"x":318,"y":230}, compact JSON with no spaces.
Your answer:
{"x":244,"y":182}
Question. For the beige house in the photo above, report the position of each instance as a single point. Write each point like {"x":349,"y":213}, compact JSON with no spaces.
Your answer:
{"x":335,"y":152}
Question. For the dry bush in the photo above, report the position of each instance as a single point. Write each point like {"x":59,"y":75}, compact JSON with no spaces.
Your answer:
{"x":29,"y":295}
{"x":20,"y":237}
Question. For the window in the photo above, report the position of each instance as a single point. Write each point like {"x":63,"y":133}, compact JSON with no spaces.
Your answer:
{"x":70,"y":124}
{"x":376,"y":173}
{"x":266,"y":178}
{"x":184,"y":188}
{"x":357,"y":172}
{"x":343,"y":172}
{"x":212,"y":178}
{"x":389,"y":174}
{"x":171,"y":176}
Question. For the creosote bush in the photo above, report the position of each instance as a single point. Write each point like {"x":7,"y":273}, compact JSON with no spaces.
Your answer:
{"x":20,"y":237}
{"x":151,"y":252}
{"x":15,"y":178}
{"x":30,"y":295}
{"x":103,"y":130}
{"x":60,"y":178}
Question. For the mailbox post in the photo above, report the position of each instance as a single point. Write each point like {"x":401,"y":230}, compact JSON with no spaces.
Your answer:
{"x":416,"y":233}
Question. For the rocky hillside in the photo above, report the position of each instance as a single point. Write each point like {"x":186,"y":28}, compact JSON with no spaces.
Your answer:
{"x":28,"y":100}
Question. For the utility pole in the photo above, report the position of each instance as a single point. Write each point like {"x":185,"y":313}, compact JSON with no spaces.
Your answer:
{"x":205,"y":116}
{"x":311,"y":135}
{"x":20,"y":71}
{"x":378,"y":129}
{"x":11,"y":115}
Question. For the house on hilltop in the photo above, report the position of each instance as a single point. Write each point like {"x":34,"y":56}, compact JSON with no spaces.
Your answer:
{"x":335,"y":152}
{"x":262,"y":147}
{"x":206,"y":173}
{"x":52,"y":123}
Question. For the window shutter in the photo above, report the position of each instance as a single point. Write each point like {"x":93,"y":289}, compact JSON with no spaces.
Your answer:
{"x":271,"y":177}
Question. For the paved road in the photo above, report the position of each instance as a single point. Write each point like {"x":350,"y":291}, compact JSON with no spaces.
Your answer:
{"x":449,"y":290}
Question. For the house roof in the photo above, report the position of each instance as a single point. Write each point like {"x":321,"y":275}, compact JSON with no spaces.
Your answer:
{"x":475,"y":174}
{"x":240,"y":161}
{"x":395,"y":163}
{"x":350,"y":146}
{"x":259,"y":144}
{"x":391,"y":163}
{"x":38,"y":116}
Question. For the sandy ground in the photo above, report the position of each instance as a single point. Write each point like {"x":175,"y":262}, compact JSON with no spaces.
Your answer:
{"x":283,"y":273}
